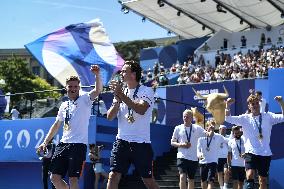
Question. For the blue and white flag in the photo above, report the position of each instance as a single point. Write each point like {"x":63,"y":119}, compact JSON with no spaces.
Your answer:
{"x":73,"y":49}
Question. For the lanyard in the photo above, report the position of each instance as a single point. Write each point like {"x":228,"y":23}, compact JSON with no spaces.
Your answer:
{"x":188,"y":136}
{"x":209,"y":142}
{"x":258,"y":125}
{"x":68,"y":111}
{"x":239,"y":147}
{"x":68,"y":115}
{"x":130,"y":111}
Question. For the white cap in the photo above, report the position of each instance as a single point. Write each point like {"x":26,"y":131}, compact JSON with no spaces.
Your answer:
{"x":222,"y":126}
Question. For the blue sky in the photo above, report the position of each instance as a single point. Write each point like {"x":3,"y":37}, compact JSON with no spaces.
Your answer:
{"x":23,"y":21}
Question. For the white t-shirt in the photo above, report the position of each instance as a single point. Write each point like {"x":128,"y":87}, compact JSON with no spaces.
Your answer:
{"x":15,"y":114}
{"x":234,"y":146}
{"x":139,"y":131}
{"x":211,"y":155}
{"x":79,"y":112}
{"x":102,"y":107}
{"x":223,"y":148}
{"x":179,"y":135}
{"x":251,"y":133}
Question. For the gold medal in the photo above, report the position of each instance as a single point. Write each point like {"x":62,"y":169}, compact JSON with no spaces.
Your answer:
{"x":208,"y":149}
{"x":130,"y":119}
{"x":66,"y":127}
{"x":189,"y":144}
{"x":260,"y":136}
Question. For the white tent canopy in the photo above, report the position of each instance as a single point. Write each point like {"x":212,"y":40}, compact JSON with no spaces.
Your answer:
{"x":198,"y":18}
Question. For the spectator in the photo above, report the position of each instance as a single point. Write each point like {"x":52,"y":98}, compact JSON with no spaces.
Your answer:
{"x":268,"y":42}
{"x":243,"y":41}
{"x":279,"y":40}
{"x":225,"y":43}
{"x":262,"y":39}
{"x":155,"y":107}
{"x":149,"y":76}
{"x":217,"y":58}
{"x":163,"y":80}
{"x":182,"y":78}
{"x":156,"y":68}
{"x":95,"y":157}
{"x":14,"y":113}
{"x":207,"y":76}
{"x":205,"y":47}
{"x":143,"y":77}
{"x":100,"y":107}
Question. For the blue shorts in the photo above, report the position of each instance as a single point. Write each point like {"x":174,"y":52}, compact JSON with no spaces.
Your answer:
{"x":187,"y":166}
{"x":259,"y":163}
{"x":238,"y":173}
{"x":222,"y":163}
{"x":124,"y":153}
{"x":208,"y":171}
{"x":68,"y":158}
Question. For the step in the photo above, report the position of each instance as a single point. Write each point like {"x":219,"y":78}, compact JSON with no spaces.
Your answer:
{"x":176,"y":187}
{"x":171,"y":168}
{"x":168,"y":177}
{"x":168,"y":182}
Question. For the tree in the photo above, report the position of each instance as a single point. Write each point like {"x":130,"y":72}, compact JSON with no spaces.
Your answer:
{"x":131,"y":50}
{"x":18,"y":79}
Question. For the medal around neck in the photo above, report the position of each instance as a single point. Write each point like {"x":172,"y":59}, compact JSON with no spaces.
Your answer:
{"x":260,"y":136}
{"x":208,"y":149}
{"x":130,"y":119}
{"x":66,"y":126}
{"x":189,"y":144}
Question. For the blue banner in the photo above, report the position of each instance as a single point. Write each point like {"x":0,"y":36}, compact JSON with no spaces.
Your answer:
{"x":186,"y":95}
{"x":22,"y":137}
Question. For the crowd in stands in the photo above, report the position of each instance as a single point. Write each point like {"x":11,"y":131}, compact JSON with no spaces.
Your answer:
{"x":253,"y":64}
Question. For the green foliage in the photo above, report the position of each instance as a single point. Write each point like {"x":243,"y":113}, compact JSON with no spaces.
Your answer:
{"x":131,"y":50}
{"x":18,"y":79}
{"x":41,"y":84}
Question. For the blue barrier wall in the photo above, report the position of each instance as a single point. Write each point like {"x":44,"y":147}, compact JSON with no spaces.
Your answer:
{"x":18,"y":160}
{"x":276,"y":87}
{"x":185,"y":94}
